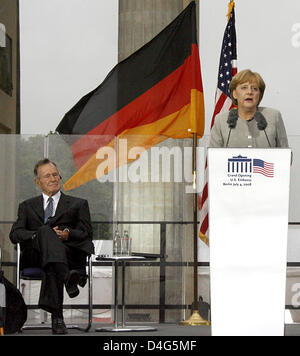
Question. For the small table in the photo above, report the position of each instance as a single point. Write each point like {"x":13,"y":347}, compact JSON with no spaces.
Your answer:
{"x":122,"y":260}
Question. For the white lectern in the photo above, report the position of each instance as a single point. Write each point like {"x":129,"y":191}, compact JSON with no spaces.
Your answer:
{"x":248,"y":224}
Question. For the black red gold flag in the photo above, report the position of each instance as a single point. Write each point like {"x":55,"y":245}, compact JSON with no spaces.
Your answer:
{"x":154,"y":94}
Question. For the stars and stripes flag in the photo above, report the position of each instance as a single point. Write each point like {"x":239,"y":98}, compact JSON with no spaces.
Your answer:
{"x":227,"y":69}
{"x":262,"y":167}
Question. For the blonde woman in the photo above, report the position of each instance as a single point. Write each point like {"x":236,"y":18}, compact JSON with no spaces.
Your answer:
{"x":249,"y":125}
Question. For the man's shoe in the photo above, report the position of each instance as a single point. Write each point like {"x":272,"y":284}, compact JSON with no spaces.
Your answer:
{"x":58,"y":326}
{"x":71,"y":284}
{"x":82,"y":281}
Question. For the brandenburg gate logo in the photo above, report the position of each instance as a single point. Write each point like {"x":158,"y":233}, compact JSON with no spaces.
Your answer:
{"x":239,"y":164}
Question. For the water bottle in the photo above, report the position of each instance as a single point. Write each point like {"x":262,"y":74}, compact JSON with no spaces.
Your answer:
{"x":127,"y":244}
{"x":116,"y":243}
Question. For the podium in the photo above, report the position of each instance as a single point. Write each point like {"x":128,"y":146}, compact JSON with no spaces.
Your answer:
{"x":248,"y":224}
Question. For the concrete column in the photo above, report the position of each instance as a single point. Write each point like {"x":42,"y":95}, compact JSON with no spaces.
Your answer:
{"x":9,"y":120}
{"x":139,"y":22}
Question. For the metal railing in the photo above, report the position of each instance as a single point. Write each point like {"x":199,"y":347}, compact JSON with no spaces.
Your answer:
{"x":162,"y":307}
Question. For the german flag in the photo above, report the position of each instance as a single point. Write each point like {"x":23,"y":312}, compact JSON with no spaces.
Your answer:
{"x":154,"y":94}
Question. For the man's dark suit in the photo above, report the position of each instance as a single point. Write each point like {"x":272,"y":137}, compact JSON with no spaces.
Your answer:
{"x":71,"y":213}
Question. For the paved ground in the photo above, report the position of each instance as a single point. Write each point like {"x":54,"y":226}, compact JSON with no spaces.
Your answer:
{"x":162,"y":330}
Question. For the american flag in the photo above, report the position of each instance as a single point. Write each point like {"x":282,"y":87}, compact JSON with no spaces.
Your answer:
{"x":227,"y":69}
{"x":262,"y":167}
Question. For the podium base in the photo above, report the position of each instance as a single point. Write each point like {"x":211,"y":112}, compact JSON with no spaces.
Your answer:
{"x":195,"y":320}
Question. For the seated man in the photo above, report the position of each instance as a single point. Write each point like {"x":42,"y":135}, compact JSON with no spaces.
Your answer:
{"x":54,"y":231}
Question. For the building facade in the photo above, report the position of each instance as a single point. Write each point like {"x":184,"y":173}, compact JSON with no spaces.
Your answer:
{"x":9,"y":64}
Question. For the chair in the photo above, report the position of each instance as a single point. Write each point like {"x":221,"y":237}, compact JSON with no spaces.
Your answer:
{"x":36,"y":273}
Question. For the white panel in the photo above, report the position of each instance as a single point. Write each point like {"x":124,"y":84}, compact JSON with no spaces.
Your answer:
{"x":248,"y":242}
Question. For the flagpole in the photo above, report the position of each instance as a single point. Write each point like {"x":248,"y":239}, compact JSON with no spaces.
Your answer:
{"x":195,"y":318}
{"x":116,"y":188}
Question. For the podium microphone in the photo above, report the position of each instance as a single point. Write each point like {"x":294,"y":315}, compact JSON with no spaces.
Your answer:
{"x":231,"y":121}
{"x":261,"y":124}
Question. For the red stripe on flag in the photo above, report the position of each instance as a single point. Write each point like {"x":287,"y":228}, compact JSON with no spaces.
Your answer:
{"x":218,"y":107}
{"x":156,"y":103}
{"x":204,"y":195}
{"x":204,"y":225}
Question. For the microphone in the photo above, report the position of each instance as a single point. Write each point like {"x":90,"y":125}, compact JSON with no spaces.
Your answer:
{"x":261,"y":124}
{"x":261,"y":121}
{"x":232,"y":118}
{"x":231,"y":121}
